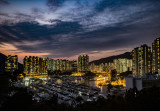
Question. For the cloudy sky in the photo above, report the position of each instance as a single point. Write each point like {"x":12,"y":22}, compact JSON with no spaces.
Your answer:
{"x":68,"y":28}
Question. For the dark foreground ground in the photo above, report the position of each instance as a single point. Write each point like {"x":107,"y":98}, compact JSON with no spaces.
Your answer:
{"x":146,"y":100}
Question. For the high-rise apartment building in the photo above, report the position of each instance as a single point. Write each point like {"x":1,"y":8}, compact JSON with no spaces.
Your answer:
{"x":74,"y":66}
{"x":35,"y":65}
{"x":122,"y":65}
{"x":97,"y":68}
{"x":67,"y":65}
{"x":61,"y":65}
{"x":57,"y":64}
{"x":51,"y":64}
{"x":92,"y":67}
{"x":83,"y":63}
{"x":141,"y":58}
{"x":11,"y":63}
{"x":135,"y":61}
{"x":156,"y":56}
{"x":64,"y":65}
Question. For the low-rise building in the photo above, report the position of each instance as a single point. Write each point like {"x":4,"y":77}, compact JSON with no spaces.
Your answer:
{"x":146,"y":81}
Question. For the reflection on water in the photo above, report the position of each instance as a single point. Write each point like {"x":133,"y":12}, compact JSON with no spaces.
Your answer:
{"x":95,"y":83}
{"x":59,"y":81}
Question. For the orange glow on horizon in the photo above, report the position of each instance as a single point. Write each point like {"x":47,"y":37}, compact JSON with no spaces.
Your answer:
{"x":9,"y":49}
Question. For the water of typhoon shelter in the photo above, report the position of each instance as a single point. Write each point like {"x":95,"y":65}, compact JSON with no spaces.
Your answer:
{"x":96,"y":81}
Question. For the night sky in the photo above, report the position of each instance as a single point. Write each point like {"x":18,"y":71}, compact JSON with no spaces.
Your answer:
{"x":68,"y":28}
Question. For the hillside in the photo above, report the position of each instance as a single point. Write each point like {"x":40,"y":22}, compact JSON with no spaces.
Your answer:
{"x":111,"y":58}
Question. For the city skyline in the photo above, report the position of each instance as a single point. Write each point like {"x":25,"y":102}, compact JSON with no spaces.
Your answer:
{"x":65,"y":29}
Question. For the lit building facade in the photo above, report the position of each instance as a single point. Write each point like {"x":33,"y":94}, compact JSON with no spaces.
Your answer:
{"x":141,"y":58}
{"x":74,"y":66}
{"x":51,"y":64}
{"x":57,"y":64}
{"x":35,"y":65}
{"x":62,"y":65}
{"x":97,"y":68}
{"x":156,"y":56}
{"x":135,"y":61}
{"x":11,"y":63}
{"x":122,"y":65}
{"x":67,"y":66}
{"x":109,"y":67}
{"x":92,"y":67}
{"x":83,"y":63}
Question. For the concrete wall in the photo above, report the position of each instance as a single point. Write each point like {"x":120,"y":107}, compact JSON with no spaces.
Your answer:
{"x":138,"y":84}
{"x":129,"y":83}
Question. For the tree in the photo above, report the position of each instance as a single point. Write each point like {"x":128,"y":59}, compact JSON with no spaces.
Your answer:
{"x":18,"y":102}
{"x":109,"y":87}
{"x":89,"y":73}
{"x":79,"y":99}
{"x":113,"y":75}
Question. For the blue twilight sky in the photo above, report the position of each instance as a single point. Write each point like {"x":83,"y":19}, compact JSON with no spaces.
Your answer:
{"x":68,"y":28}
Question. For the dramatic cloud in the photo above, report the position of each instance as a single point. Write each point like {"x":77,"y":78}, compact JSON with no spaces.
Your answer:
{"x":4,"y":2}
{"x":67,"y":28}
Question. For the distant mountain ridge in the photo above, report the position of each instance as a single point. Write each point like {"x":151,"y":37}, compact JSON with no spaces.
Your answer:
{"x":111,"y":58}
